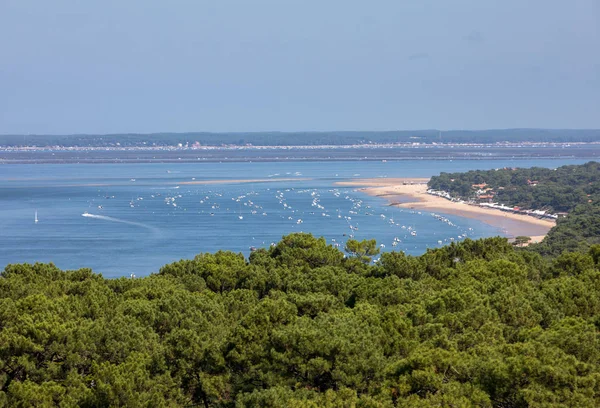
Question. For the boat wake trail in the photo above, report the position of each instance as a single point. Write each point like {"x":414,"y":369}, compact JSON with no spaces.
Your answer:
{"x":105,"y":218}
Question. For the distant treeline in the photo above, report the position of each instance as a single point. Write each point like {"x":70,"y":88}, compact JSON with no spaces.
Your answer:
{"x":573,"y":189}
{"x":306,"y":138}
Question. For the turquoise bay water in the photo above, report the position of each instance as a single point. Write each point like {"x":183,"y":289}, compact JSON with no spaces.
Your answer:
{"x":143,"y":216}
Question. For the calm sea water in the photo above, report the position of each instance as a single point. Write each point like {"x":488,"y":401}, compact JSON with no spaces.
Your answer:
{"x":143,"y":216}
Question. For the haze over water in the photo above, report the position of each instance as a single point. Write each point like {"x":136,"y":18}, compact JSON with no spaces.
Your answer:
{"x":146,"y":215}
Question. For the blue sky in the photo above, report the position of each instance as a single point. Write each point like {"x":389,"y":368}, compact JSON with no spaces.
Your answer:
{"x":109,"y":66}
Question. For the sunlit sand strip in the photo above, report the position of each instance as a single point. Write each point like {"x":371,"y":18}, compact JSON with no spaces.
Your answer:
{"x":385,"y":182}
{"x":412,"y":193}
{"x":238,"y":181}
{"x":192,"y":182}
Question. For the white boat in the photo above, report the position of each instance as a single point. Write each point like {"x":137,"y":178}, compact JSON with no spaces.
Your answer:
{"x":35,"y":218}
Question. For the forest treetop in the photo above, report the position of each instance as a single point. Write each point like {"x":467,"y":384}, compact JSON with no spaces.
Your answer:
{"x":476,"y":323}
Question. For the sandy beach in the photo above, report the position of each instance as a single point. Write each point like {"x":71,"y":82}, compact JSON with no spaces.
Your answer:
{"x":412,"y":193}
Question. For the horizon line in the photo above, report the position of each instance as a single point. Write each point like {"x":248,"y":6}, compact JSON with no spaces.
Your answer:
{"x":296,"y":131}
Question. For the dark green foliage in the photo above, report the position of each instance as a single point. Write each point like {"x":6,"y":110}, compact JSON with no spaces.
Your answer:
{"x":362,"y":250}
{"x":576,"y":232}
{"x":305,"y":250}
{"x":476,"y":323}
{"x":521,"y":240}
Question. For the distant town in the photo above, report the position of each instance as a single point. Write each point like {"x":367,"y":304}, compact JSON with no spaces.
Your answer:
{"x":276,"y":146}
{"x":282,"y":140}
{"x":249,"y":146}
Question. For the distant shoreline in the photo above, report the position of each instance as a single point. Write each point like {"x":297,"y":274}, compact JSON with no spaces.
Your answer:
{"x":412,"y":193}
{"x":380,"y":152}
{"x":309,"y":139}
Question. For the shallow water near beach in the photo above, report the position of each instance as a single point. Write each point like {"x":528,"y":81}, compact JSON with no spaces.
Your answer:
{"x":142,"y":216}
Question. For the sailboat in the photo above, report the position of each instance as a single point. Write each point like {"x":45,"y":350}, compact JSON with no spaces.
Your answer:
{"x":36,"y":218}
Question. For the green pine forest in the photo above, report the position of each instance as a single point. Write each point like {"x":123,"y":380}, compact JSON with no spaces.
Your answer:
{"x":574,"y":190}
{"x":302,"y":324}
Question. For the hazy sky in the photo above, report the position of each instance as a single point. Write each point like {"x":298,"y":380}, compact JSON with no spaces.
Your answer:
{"x":81,"y":66}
